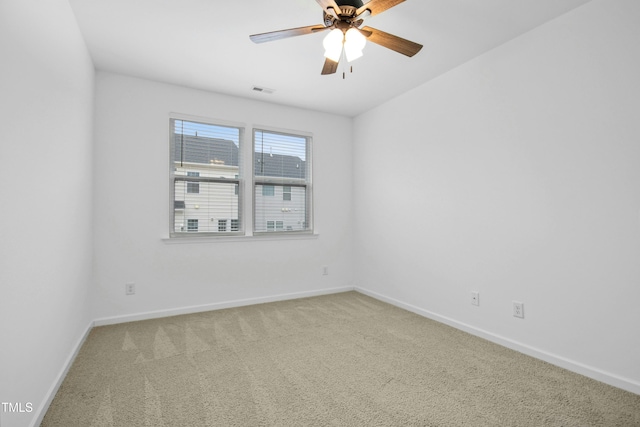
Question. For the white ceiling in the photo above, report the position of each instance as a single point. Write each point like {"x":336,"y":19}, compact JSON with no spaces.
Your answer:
{"x":205,"y":44}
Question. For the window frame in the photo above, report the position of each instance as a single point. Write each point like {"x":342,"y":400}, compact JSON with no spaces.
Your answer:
{"x":245,"y":182}
{"x":191,"y":177}
{"x":306,"y":183}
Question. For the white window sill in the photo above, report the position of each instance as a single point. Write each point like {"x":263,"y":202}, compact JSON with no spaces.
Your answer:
{"x":255,"y":238}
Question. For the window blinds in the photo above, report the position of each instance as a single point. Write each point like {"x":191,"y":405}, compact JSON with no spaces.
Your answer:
{"x":205,"y":166}
{"x":282,"y":184}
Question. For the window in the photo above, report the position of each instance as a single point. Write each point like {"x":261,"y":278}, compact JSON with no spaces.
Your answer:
{"x":282,"y":168}
{"x":205,"y":177}
{"x":192,"y":225}
{"x":268,"y":190}
{"x":193,"y":187}
{"x":275,"y":226}
{"x":213,"y":173}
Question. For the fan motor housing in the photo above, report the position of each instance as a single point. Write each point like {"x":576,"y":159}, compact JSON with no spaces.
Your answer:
{"x":355,"y":3}
{"x":348,"y":10}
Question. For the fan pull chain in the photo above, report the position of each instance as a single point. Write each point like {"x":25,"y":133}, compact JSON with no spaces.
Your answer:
{"x":344,"y":74}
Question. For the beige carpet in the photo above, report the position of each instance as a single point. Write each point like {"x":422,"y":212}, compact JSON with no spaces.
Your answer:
{"x":337,"y":360}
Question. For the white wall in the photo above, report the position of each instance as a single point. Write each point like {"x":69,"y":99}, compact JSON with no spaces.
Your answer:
{"x":46,"y":105}
{"x":520,"y":179}
{"x":132,"y":206}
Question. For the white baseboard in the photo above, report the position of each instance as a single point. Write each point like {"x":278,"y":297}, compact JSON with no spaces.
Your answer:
{"x":44,"y":406}
{"x":216,"y":306}
{"x":563,"y":362}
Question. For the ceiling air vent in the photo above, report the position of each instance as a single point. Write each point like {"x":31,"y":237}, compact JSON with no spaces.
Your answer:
{"x":262,"y":89}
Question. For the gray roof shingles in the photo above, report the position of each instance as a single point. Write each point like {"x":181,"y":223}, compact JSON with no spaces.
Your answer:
{"x":198,"y":149}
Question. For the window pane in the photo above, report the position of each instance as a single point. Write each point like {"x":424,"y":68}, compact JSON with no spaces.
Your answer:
{"x":279,"y":155}
{"x":192,"y":225}
{"x":281,"y":169}
{"x":200,"y":144}
{"x":268,"y":190}
{"x":193,"y":187}
{"x":209,"y":155}
{"x":215,"y":202}
{"x":291,"y":214}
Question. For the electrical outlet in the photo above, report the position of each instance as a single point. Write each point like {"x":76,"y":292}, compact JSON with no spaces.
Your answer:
{"x":518,"y":309}
{"x":130,"y":289}
{"x":325,"y":270}
{"x":475,"y":298}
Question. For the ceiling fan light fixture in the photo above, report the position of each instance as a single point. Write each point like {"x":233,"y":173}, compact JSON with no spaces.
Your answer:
{"x":333,"y":55}
{"x":352,"y":54}
{"x":347,"y":36}
{"x":354,"y":43}
{"x":333,"y":44}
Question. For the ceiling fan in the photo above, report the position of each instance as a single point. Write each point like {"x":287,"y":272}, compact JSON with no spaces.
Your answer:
{"x":347,"y":36}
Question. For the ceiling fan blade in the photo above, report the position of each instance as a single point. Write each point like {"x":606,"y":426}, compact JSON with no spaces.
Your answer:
{"x":392,"y":42}
{"x":329,"y":67}
{"x":283,"y":34}
{"x":331,"y":7}
{"x":377,"y":6}
{"x":364,"y":32}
